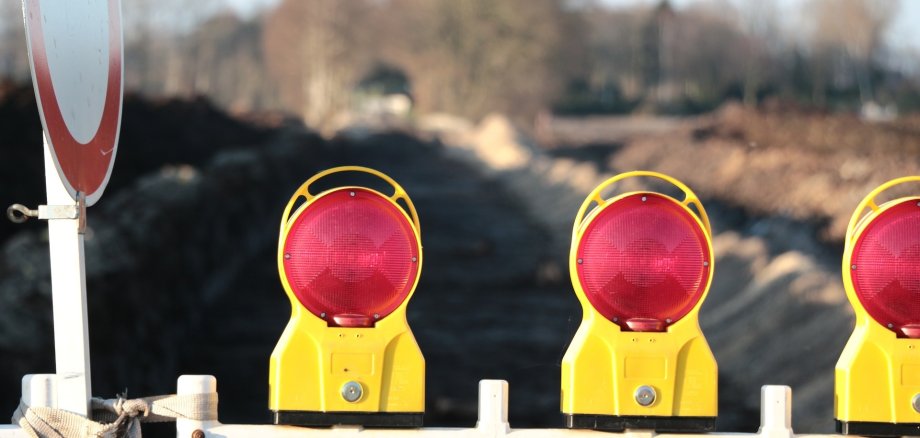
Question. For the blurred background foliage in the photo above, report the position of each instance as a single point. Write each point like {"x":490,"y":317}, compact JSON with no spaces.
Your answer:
{"x":317,"y":58}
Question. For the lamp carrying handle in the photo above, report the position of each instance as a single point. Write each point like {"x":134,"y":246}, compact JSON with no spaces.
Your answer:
{"x":869,"y":203}
{"x":595,"y":197}
{"x":304,"y":192}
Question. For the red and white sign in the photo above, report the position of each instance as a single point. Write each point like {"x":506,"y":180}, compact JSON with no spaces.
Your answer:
{"x":75,"y":48}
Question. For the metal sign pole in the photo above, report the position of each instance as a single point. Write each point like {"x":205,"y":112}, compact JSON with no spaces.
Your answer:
{"x":68,"y":296}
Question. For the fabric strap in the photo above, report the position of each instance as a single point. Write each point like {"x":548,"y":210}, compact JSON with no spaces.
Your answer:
{"x":115,"y":418}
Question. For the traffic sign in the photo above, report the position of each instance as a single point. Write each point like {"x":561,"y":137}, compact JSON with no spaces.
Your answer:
{"x":76,"y":51}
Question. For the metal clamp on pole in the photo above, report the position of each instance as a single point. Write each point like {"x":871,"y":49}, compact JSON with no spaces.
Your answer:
{"x":18,"y":213}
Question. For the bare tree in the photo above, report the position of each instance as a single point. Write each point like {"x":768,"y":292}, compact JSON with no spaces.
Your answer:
{"x":14,"y":57}
{"x":759,"y":21}
{"x":156,"y":34}
{"x":854,"y":28}
{"x":709,"y":51}
{"x":475,"y":56}
{"x":316,"y":50}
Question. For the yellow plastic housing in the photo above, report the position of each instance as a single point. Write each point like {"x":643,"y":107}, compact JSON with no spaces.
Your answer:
{"x":878,"y":374}
{"x":604,"y":365}
{"x":312,"y":361}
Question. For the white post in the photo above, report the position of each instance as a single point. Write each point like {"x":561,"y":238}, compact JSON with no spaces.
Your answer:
{"x":39,"y":390}
{"x":493,"y":407}
{"x":775,"y":412}
{"x":68,"y":296}
{"x":189,"y":385}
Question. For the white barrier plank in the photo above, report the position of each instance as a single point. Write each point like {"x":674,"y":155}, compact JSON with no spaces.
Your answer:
{"x":776,"y":417}
{"x":7,"y":431}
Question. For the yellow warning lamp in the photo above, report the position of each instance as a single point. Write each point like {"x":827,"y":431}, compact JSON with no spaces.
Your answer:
{"x":877,"y":378}
{"x":349,"y":260}
{"x":641,"y":264}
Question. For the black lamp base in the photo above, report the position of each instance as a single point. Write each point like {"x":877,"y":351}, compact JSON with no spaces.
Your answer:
{"x":365,"y":419}
{"x":616,"y":423}
{"x":868,"y":428}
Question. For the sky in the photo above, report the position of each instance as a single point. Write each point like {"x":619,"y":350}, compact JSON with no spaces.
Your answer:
{"x":249,"y":7}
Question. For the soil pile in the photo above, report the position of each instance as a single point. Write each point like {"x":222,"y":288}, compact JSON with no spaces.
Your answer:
{"x":776,"y":160}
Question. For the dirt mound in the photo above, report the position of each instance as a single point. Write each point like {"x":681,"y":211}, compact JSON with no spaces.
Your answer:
{"x":154,"y":133}
{"x":496,"y":143}
{"x":810,"y":166}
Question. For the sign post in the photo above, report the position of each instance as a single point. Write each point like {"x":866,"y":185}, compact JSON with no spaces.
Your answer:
{"x":75,"y":51}
{"x":68,"y":297}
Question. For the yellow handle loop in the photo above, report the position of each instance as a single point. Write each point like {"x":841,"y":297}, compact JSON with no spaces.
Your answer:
{"x":869,"y":202}
{"x":595,"y":197}
{"x":304,"y":192}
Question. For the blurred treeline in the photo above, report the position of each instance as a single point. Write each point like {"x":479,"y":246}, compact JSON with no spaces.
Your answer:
{"x":318,"y":58}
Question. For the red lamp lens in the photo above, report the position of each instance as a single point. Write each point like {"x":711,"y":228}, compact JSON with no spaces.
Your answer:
{"x":351,"y":255}
{"x":643,"y":262}
{"x":885,"y":268}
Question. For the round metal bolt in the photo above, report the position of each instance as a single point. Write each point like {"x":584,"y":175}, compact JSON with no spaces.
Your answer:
{"x":645,"y":395}
{"x":615,"y":319}
{"x":198,"y":433}
{"x":916,"y":402}
{"x":705,"y":263}
{"x":414,"y":259}
{"x":352,"y":391}
{"x":322,"y":315}
{"x":287,"y":256}
{"x":918,"y":204}
{"x":853,"y":267}
{"x":890,"y":325}
{"x":667,"y":320}
{"x":644,"y":199}
{"x":352,"y":194}
{"x":580,"y":261}
{"x":376,"y":316}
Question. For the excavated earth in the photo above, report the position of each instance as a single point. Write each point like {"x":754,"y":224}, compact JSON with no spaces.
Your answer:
{"x":182,"y":276}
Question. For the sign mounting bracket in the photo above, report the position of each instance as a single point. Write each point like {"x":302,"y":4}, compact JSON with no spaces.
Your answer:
{"x":18,"y":213}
